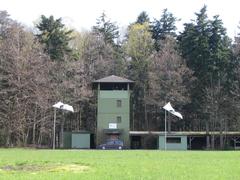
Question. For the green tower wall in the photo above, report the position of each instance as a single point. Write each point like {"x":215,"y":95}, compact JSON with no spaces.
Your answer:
{"x":108,"y":111}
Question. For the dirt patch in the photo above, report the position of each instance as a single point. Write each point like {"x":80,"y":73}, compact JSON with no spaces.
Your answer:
{"x":70,"y":167}
{"x":49,"y":168}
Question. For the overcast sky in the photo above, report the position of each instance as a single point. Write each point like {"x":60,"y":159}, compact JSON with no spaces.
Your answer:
{"x":82,"y":14}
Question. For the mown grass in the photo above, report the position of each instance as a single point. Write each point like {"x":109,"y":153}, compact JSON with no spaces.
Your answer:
{"x":129,"y":164}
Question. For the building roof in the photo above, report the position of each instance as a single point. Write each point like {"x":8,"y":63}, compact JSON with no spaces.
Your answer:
{"x":113,"y":78}
{"x":187,"y":133}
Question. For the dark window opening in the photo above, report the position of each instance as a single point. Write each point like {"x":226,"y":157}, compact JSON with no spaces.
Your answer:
{"x":173,"y":140}
{"x":119,"y":119}
{"x":113,"y":86}
{"x":198,"y":143}
{"x":119,"y":103}
{"x":136,"y":142}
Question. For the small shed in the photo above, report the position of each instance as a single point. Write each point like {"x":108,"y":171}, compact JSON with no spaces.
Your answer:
{"x":174,"y":142}
{"x":77,"y":140}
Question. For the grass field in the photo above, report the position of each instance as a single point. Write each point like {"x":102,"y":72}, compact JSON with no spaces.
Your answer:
{"x":97,"y":164}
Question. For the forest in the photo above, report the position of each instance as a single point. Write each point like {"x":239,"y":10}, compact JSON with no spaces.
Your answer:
{"x":197,"y":70}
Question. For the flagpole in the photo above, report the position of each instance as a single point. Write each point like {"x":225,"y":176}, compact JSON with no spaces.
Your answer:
{"x":165,"y":145}
{"x":54,"y":127}
{"x":170,"y":109}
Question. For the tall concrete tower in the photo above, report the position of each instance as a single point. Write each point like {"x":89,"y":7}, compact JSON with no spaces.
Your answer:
{"x":113,"y":109}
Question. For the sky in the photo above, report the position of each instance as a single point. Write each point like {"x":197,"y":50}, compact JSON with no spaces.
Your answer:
{"x":82,"y":15}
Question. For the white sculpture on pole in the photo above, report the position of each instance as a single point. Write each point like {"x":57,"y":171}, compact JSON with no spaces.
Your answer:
{"x":66,"y":107}
{"x":170,"y":109}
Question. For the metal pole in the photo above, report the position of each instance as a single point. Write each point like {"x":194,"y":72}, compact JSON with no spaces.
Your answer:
{"x":54,"y":127}
{"x":165,"y":132}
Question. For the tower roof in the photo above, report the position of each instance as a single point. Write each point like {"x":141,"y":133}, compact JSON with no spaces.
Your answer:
{"x":113,"y":79}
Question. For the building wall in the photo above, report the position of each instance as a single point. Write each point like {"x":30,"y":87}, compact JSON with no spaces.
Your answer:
{"x":173,"y":146}
{"x":67,"y":140}
{"x":108,"y":113}
{"x":81,"y":141}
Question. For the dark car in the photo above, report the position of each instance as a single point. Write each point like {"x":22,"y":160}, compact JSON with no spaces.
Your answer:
{"x":112,"y":144}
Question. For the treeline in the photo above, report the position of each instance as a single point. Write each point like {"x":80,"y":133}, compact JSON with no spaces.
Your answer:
{"x":197,"y":70}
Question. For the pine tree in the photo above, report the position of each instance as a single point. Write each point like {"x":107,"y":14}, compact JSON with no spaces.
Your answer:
{"x":205,"y":46}
{"x":143,"y":18}
{"x":107,"y":29}
{"x":55,"y":37}
{"x":163,"y":27}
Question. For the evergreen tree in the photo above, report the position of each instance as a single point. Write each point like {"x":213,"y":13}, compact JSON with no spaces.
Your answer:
{"x":163,"y":27}
{"x":55,"y":37}
{"x":234,"y":85}
{"x":205,"y":46}
{"x":219,"y":45}
{"x":107,"y":29}
{"x":194,"y":42}
{"x":106,"y":34}
{"x":142,"y":18}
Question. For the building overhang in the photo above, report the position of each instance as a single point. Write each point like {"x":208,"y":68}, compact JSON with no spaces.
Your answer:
{"x":181,"y":133}
{"x":113,"y":131}
{"x":112,"y":81}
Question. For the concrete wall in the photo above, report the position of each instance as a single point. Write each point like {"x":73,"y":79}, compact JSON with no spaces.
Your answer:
{"x":173,"y":146}
{"x":108,"y":113}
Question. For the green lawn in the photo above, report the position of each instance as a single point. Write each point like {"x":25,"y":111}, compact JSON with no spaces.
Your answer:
{"x":134,"y":164}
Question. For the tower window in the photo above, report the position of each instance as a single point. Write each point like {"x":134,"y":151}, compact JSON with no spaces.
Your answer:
{"x":119,"y":103}
{"x":173,"y":140}
{"x":119,"y":119}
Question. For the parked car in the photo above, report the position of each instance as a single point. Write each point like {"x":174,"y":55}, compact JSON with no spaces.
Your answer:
{"x":112,"y":144}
